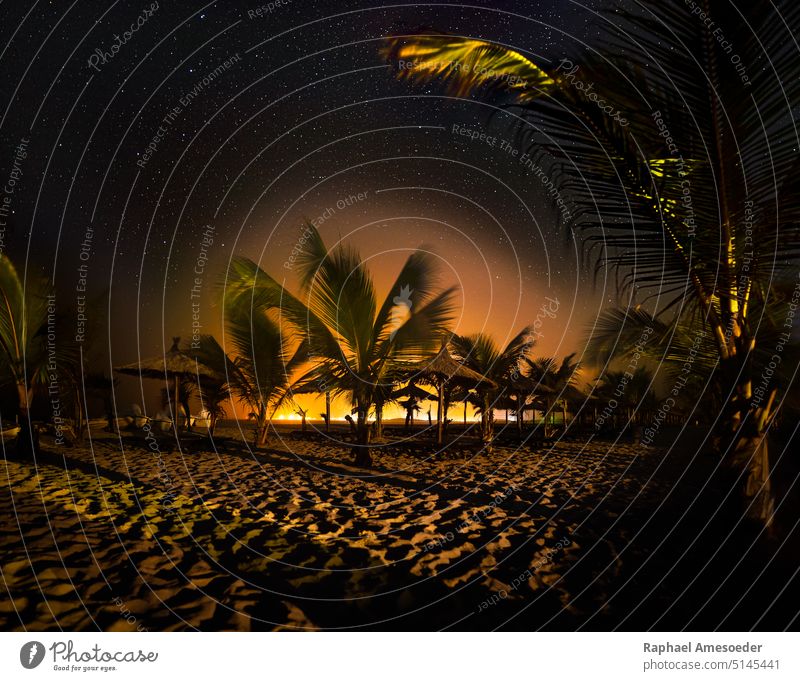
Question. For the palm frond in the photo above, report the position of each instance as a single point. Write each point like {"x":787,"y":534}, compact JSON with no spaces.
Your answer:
{"x":464,"y":64}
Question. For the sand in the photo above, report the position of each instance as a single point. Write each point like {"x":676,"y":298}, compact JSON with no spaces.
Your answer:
{"x":133,"y":534}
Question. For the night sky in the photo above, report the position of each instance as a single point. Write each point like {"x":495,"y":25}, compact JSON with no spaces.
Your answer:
{"x":218,"y":127}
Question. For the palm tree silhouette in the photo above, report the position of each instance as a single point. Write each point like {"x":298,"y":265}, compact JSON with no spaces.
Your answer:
{"x":692,"y":192}
{"x":351,"y":341}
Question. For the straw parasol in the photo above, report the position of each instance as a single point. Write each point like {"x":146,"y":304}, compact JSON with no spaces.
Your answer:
{"x":413,"y":392}
{"x":443,"y":369}
{"x":173,"y":364}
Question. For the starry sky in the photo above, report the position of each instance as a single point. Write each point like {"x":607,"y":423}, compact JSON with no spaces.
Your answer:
{"x":216,"y":128}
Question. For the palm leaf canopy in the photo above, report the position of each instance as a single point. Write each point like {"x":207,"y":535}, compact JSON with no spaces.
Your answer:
{"x":679,"y":161}
{"x":465,"y":64}
{"x":255,"y":362}
{"x":525,"y":385}
{"x":23,"y":325}
{"x":481,"y":353}
{"x":353,"y":341}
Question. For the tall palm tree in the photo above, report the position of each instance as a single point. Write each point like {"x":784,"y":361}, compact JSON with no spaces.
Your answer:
{"x":675,"y":144}
{"x":353,"y":342}
{"x":254,"y":365}
{"x":481,"y":353}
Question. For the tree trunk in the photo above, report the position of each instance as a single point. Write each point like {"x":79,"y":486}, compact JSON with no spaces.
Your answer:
{"x":440,"y":417}
{"x":487,"y":420}
{"x":327,"y":411}
{"x":378,"y":421}
{"x":187,"y":412}
{"x":263,"y":427}
{"x":79,"y":431}
{"x":111,"y":417}
{"x":175,"y":404}
{"x":743,"y":441}
{"x":27,"y":438}
{"x":362,"y":456}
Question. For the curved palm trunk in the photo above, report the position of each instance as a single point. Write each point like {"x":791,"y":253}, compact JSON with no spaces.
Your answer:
{"x":743,"y":439}
{"x":263,"y":426}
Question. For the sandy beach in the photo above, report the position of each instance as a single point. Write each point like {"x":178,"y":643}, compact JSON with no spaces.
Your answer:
{"x":124,"y":534}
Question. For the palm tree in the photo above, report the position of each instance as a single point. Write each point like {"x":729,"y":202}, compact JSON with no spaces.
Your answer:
{"x":354,"y":346}
{"x":24,"y":315}
{"x":187,"y":389}
{"x":481,"y":353}
{"x":214,"y":395}
{"x":691,"y":192}
{"x":556,"y":378}
{"x":631,"y":393}
{"x":254,"y":364}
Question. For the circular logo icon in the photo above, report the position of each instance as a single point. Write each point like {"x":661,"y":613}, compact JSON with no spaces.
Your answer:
{"x":31,"y":654}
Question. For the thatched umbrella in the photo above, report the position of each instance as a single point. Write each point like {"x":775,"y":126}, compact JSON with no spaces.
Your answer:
{"x":441,"y":370}
{"x":173,"y":364}
{"x":414,"y":394}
